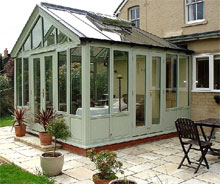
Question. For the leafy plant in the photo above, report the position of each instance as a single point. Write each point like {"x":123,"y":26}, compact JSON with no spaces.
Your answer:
{"x":44,"y":117}
{"x":18,"y":115}
{"x":59,"y":130}
{"x":106,"y":163}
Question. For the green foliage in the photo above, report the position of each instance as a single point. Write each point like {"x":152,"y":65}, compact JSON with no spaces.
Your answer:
{"x":10,"y":174}
{"x":106,"y":163}
{"x":6,"y":121}
{"x":5,"y":95}
{"x":59,"y":130}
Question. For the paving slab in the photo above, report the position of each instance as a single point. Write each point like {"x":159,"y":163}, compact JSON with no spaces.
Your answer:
{"x":148,"y":163}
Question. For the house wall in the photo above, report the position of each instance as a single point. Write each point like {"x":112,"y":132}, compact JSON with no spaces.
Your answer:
{"x":203,"y":106}
{"x":166,"y":18}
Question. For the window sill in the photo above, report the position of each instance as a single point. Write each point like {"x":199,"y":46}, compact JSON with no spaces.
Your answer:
{"x":195,"y":23}
{"x":205,"y":91}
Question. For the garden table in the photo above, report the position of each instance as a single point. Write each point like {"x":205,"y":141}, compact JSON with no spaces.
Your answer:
{"x":213,"y":124}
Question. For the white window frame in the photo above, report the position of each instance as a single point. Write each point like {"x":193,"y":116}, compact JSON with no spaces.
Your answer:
{"x":135,"y":19}
{"x":211,"y":73}
{"x":187,"y":12}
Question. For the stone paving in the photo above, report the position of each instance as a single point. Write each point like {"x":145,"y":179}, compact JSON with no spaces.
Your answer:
{"x":154,"y":163}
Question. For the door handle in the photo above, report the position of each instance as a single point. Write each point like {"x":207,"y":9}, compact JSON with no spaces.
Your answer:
{"x":151,"y":91}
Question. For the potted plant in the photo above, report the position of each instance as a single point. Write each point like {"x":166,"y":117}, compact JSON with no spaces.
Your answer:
{"x":217,"y":99}
{"x":44,"y":117}
{"x":106,"y":164}
{"x":19,"y":119}
{"x":52,"y":162}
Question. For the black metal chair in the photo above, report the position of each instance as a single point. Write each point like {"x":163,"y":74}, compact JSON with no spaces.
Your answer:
{"x":189,"y":136}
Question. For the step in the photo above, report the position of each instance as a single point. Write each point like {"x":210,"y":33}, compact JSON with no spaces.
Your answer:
{"x":34,"y":141}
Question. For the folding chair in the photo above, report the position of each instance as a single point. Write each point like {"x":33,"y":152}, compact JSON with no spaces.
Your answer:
{"x":189,"y":136}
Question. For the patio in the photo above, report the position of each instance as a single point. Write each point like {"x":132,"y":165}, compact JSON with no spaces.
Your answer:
{"x":154,"y":162}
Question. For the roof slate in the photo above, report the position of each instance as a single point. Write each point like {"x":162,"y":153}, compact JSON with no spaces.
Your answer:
{"x":91,"y":25}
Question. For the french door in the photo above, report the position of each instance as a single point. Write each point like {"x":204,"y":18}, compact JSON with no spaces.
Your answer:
{"x":147,"y":93}
{"x":42,"y":81}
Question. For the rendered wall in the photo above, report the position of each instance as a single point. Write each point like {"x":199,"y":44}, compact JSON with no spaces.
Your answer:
{"x":166,"y":18}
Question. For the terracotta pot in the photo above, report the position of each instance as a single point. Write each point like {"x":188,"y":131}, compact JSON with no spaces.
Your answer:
{"x":45,"y":138}
{"x":99,"y":181}
{"x":121,"y":181}
{"x":51,"y":166}
{"x":20,"y":130}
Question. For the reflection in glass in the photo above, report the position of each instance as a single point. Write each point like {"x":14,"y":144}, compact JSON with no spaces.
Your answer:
{"x":155,"y":90}
{"x":61,"y":37}
{"x":76,"y":79}
{"x":49,"y":81}
{"x":217,"y":72}
{"x":183,"y":81}
{"x":62,"y":75}
{"x":121,"y":80}
{"x":171,"y":81}
{"x":99,"y":79}
{"x":49,"y":33}
{"x":37,"y":84}
{"x":202,"y":72}
{"x":37,"y":35}
{"x":140,"y":89}
{"x":27,"y":44}
{"x":25,"y":82}
{"x":19,"y":81}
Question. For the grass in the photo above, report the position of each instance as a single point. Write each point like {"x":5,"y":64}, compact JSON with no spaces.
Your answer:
{"x":6,"y":121}
{"x":11,"y":174}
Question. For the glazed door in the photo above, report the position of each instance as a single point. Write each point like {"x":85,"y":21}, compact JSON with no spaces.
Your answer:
{"x":140,"y":95}
{"x":156,"y":93}
{"x":42,"y":82}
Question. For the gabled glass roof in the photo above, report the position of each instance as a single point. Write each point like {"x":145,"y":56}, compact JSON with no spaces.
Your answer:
{"x":104,"y":27}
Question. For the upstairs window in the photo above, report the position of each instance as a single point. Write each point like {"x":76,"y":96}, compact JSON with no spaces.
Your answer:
{"x":134,"y":16}
{"x":194,"y":11}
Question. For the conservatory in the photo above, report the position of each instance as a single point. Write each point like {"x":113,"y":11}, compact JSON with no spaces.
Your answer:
{"x":112,"y":82}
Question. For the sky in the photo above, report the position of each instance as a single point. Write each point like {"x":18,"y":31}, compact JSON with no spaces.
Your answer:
{"x":15,"y":13}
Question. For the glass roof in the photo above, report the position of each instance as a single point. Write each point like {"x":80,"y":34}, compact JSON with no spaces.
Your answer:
{"x":103,"y":27}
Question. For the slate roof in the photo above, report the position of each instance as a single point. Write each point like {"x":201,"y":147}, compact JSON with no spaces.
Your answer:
{"x":88,"y":25}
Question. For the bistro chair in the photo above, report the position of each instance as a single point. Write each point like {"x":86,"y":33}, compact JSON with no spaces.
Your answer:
{"x":189,"y":137}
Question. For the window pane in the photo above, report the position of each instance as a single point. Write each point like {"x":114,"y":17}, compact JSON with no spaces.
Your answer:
{"x":62,"y":75}
{"x":61,"y":38}
{"x":200,"y":11}
{"x":49,"y":81}
{"x":132,"y":14}
{"x":171,"y":81}
{"x":99,"y":80}
{"x":27,"y":44}
{"x":37,"y":35}
{"x":156,"y":88}
{"x":19,"y":81}
{"x":76,"y":80}
{"x":137,"y":12}
{"x":192,"y":12}
{"x":183,"y":81}
{"x":202,"y":72}
{"x":37,"y":84}
{"x":140,"y":89}
{"x":25,"y":81}
{"x":120,"y":81}
{"x":49,"y":33}
{"x":217,"y":72}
